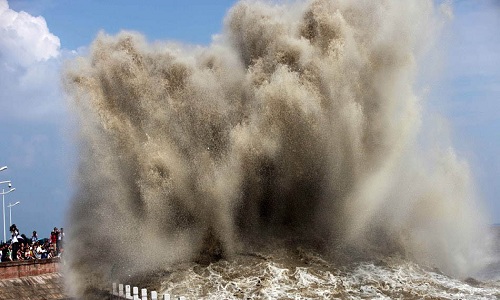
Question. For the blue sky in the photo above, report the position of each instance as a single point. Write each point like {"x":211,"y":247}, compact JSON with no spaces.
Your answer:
{"x":36,"y":138}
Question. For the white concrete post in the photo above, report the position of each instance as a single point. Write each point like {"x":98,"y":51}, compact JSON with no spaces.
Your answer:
{"x":127,"y":292}
{"x":166,"y":297}
{"x":115,"y":292}
{"x":136,"y":293}
{"x":120,"y":290}
{"x":144,"y":294}
{"x":154,"y":295}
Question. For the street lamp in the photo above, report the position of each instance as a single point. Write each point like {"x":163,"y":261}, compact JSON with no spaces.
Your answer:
{"x":3,"y":205}
{"x":10,"y":210}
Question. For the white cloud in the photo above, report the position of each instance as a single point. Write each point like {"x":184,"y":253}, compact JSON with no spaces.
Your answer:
{"x":30,"y":59}
{"x":25,"y":39}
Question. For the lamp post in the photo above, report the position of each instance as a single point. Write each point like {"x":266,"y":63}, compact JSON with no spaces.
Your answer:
{"x":3,"y":205}
{"x":10,"y":210}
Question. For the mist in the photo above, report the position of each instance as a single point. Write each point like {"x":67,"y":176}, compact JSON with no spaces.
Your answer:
{"x":300,"y":121}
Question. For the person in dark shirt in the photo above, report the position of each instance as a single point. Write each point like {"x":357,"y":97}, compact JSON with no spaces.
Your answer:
{"x":5,"y":250}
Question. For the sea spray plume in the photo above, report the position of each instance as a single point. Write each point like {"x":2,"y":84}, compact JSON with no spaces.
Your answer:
{"x":299,"y":120}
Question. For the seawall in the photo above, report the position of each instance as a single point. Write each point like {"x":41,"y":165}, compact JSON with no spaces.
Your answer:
{"x":17,"y":269}
{"x":34,"y":279}
{"x":47,"y":286}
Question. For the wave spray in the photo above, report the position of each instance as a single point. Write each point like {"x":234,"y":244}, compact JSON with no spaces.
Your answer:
{"x":300,"y":122}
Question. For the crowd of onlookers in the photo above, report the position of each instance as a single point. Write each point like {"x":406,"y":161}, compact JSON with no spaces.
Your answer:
{"x":20,"y":247}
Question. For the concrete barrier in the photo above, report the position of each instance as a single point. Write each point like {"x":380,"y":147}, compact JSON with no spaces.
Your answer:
{"x":117,"y":292}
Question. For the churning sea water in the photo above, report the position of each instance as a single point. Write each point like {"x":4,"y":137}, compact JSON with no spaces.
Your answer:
{"x":304,"y":274}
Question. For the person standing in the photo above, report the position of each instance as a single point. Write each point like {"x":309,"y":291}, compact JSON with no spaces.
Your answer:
{"x":15,"y":240}
{"x":60,"y":240}
{"x":34,"y":237}
{"x":53,"y":240}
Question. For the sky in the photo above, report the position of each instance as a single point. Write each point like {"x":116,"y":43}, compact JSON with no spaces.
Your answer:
{"x":37,"y":136}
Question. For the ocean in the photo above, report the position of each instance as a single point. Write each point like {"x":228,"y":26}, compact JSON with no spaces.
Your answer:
{"x":305,"y":274}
